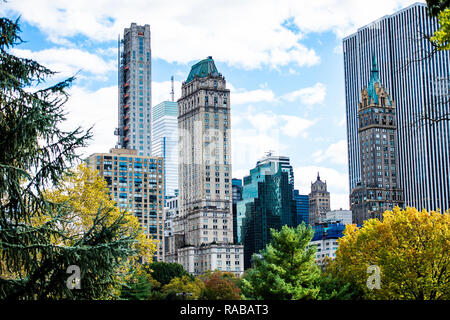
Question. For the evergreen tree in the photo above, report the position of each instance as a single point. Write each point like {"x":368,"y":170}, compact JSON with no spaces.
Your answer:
{"x":285,"y":269}
{"x":35,"y":155}
{"x":164,"y":272}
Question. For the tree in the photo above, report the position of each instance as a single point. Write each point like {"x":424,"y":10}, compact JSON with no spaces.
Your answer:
{"x":36,"y":155}
{"x":285,"y":270}
{"x":410,"y":248}
{"x":441,"y":38}
{"x":85,"y":191}
{"x":220,"y":286}
{"x":164,"y":272}
{"x":184,"y":288}
{"x":137,"y":288}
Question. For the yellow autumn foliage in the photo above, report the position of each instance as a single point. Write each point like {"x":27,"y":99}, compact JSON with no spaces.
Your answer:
{"x":411,"y":248}
{"x":85,"y":192}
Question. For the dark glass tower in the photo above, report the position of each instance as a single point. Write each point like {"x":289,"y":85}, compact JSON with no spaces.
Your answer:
{"x":267,"y":203}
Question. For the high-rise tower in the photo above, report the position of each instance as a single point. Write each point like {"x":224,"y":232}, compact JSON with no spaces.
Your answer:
{"x":267,"y":202}
{"x":319,"y":201}
{"x":135,"y":98}
{"x":205,"y":172}
{"x":418,"y":83}
{"x":165,"y":142}
{"x":379,"y":189}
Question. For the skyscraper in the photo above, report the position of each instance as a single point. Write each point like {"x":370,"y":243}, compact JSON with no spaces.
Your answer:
{"x":134,"y":128}
{"x":319,"y":201}
{"x":378,"y":190}
{"x":267,"y":202}
{"x":165,"y":142}
{"x":302,"y":206}
{"x":285,"y":164}
{"x":236,"y":185}
{"x":205,"y":172}
{"x":416,"y":82}
{"x":136,"y":184}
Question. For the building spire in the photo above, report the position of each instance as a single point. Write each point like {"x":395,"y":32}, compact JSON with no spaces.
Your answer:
{"x":318,"y":176}
{"x":374,"y":77}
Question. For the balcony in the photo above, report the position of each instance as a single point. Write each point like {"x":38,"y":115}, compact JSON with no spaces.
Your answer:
{"x":126,"y":139}
{"x":126,"y":117}
{"x":126,"y":128}
{"x":126,"y":85}
{"x":126,"y":106}
{"x":126,"y":68}
{"x":126,"y":95}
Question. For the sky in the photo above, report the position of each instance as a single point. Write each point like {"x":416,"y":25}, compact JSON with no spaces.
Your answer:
{"x":282,"y":61}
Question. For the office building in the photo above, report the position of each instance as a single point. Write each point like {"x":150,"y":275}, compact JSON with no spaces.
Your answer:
{"x":173,"y":230}
{"x":418,"y":83}
{"x":319,"y":201}
{"x":267,"y":202}
{"x":302,"y":206}
{"x":283,"y":160}
{"x":341,"y":216}
{"x":135,"y":100}
{"x":236,"y":185}
{"x":379,"y":189}
{"x":165,"y":142}
{"x":135,"y":183}
{"x":205,"y":172}
{"x":325,"y":240}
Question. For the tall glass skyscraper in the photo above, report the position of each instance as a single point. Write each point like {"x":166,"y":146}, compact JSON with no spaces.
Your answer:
{"x":134,"y":128}
{"x":165,"y":142}
{"x":418,"y":84}
{"x":267,"y":202}
{"x":302,"y":206}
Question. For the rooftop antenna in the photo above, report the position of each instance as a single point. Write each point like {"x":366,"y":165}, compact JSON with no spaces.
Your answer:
{"x":172,"y":92}
{"x":269,"y":153}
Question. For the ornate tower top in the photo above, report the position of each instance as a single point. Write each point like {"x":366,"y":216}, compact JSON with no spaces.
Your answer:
{"x":375,"y":94}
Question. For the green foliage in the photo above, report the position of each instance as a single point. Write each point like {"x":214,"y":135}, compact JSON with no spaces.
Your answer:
{"x":183,"y":288}
{"x":286,"y":270}
{"x":164,"y":272}
{"x":434,"y":7}
{"x":332,"y":288}
{"x":411,"y":249}
{"x":36,"y":155}
{"x":138,"y":288}
{"x":441,"y":10}
{"x":220,"y":286}
{"x":441,"y":37}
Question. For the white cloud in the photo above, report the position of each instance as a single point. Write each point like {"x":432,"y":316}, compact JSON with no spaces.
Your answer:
{"x":336,"y":153}
{"x":308,"y":96}
{"x":295,"y":126}
{"x":161,"y":91}
{"x":337,"y":183}
{"x":101,"y":106}
{"x":67,"y":62}
{"x":241,"y":33}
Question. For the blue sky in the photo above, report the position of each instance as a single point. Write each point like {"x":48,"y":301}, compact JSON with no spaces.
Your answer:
{"x":282,"y":61}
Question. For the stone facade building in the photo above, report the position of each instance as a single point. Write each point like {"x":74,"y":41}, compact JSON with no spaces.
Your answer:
{"x":205,"y":176}
{"x":319,"y":201}
{"x":379,"y":188}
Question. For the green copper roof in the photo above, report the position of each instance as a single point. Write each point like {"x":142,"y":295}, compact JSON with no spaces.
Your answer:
{"x":203,"y":69}
{"x":374,"y":78}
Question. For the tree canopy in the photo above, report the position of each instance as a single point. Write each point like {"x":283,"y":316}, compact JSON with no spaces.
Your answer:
{"x":410,"y":247}
{"x":285,"y":269}
{"x":37,"y":241}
